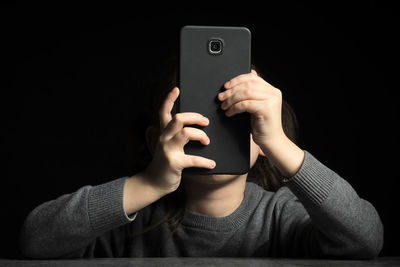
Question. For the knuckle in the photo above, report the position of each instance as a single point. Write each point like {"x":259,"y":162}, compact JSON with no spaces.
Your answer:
{"x":185,"y":132}
{"x":278,"y":92}
{"x":169,"y":159}
{"x":246,"y":92}
{"x":277,"y":97}
{"x":248,"y":83}
{"x":269,"y":104}
{"x":164,"y":149}
{"x":195,"y":161}
{"x":177,"y":119}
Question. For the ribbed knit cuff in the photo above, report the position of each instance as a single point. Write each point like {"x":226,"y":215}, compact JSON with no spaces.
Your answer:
{"x":105,"y":206}
{"x":313,"y":182}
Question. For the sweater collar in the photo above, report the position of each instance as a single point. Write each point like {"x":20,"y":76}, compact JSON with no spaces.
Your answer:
{"x":227,"y":223}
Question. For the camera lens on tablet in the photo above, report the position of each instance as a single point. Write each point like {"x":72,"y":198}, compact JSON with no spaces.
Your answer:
{"x":215,"y":46}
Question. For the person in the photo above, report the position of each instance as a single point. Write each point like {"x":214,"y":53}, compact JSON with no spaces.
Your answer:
{"x":308,"y":210}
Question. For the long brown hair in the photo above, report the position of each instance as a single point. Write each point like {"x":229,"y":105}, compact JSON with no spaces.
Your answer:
{"x":263,"y":172}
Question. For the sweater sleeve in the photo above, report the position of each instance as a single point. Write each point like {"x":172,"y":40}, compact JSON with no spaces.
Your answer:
{"x":336,"y":222}
{"x":68,"y":226}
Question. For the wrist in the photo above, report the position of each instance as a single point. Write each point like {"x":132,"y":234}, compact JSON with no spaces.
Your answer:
{"x":284,"y":154}
{"x":158,"y":186}
{"x":139,"y":193}
{"x":145,"y":179}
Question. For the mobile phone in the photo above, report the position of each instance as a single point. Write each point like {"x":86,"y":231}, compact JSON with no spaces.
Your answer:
{"x":209,"y":57}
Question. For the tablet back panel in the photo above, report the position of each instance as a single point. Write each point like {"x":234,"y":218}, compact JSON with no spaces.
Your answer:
{"x":202,"y":75}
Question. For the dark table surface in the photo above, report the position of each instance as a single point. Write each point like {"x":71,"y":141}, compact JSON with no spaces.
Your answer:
{"x":201,"y":262}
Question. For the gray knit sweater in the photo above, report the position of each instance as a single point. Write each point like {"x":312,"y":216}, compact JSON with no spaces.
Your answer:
{"x":316,"y":214}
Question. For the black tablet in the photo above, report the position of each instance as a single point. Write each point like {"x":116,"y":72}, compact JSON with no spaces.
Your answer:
{"x":209,"y":57}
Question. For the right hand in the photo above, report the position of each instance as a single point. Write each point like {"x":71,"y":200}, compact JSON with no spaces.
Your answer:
{"x":165,"y":170}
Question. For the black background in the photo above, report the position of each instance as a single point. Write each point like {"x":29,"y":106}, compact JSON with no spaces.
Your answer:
{"x":72,"y":92}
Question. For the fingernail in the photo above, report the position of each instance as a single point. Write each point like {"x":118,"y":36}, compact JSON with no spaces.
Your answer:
{"x":213,"y":164}
{"x":206,"y":120}
{"x":227,"y":83}
{"x":221,"y":96}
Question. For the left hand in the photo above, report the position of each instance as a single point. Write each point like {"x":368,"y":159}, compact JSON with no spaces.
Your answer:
{"x":249,"y":92}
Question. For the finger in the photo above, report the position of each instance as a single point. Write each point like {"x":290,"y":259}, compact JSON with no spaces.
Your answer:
{"x":190,"y":133}
{"x":251,"y":106}
{"x":166,"y":107}
{"x":196,"y":161}
{"x":241,"y":93}
{"x":180,"y":120}
{"x":240,"y":79}
{"x":249,"y":85}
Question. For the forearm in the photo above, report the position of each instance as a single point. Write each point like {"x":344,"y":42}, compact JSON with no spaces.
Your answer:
{"x":285,"y":155}
{"x":345,"y":224}
{"x":66,"y":226}
{"x":139,"y":193}
{"x":57,"y":222}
